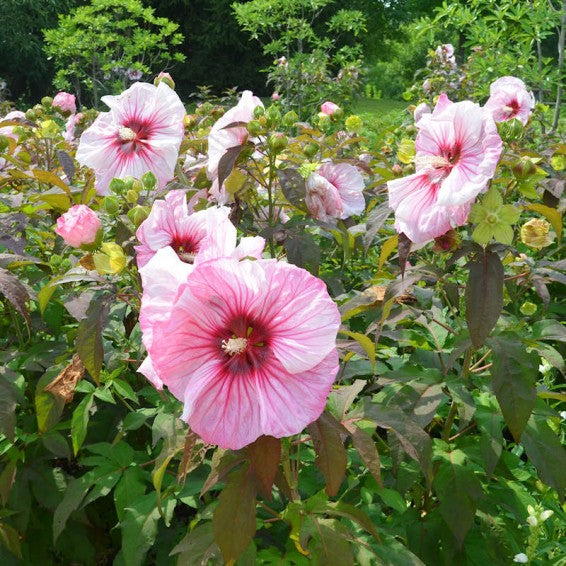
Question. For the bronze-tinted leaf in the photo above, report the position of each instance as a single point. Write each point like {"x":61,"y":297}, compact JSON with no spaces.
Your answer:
{"x":292,"y":185}
{"x":15,"y":292}
{"x":264,"y":455}
{"x":484,"y":295}
{"x":227,"y":162}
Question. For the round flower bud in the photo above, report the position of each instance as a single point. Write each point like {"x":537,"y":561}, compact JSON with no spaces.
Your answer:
{"x":310,"y":149}
{"x":528,"y":308}
{"x":524,"y":168}
{"x":191,"y":121}
{"x":354,"y":124}
{"x":329,"y":108}
{"x":30,"y":114}
{"x":254,"y":128}
{"x":138,"y":214}
{"x":290,"y":118}
{"x":164,"y":78}
{"x":111,"y":205}
{"x":259,"y":111}
{"x":512,"y":130}
{"x":132,"y":196}
{"x":65,"y":103}
{"x":273,"y":116}
{"x":47,"y":101}
{"x":277,"y":142}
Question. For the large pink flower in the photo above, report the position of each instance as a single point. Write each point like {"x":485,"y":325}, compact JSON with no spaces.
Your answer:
{"x":221,"y":138}
{"x":249,"y":346}
{"x":78,"y":226}
{"x":65,"y":103}
{"x":194,"y":236}
{"x":141,"y":133}
{"x":510,"y":99}
{"x":335,"y":191}
{"x":457,"y":151}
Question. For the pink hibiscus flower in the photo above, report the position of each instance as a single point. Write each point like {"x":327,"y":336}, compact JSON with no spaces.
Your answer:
{"x":194,"y":236}
{"x":221,"y":138}
{"x":510,"y":99}
{"x":335,"y":191}
{"x":249,"y":346}
{"x":65,"y":103}
{"x":78,"y":226}
{"x":141,"y":133}
{"x":457,"y":151}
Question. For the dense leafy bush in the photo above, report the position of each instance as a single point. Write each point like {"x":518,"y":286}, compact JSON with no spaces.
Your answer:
{"x":440,"y":440}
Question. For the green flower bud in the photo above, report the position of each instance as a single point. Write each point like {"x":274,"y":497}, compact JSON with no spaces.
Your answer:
{"x":524,"y":168}
{"x":138,"y":214}
{"x":117,"y":186}
{"x":38,"y":109}
{"x":259,"y":111}
{"x":254,"y":128}
{"x":512,"y":130}
{"x":354,"y":124}
{"x":290,"y":118}
{"x":528,"y":308}
{"x":55,"y":261}
{"x":132,"y":196}
{"x":310,"y":149}
{"x":164,"y":78}
{"x":30,"y":114}
{"x":277,"y":142}
{"x":47,"y":101}
{"x":273,"y":116}
{"x":111,"y":205}
{"x":191,"y":121}
{"x":149,"y":180}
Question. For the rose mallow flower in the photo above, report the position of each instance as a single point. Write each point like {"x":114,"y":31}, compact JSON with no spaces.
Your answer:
{"x":221,"y":138}
{"x":335,"y":190}
{"x":65,"y":103}
{"x":194,"y":236}
{"x":457,"y":151}
{"x":78,"y":226}
{"x":509,"y":98}
{"x":329,"y":108}
{"x":248,"y":346}
{"x":142,"y":132}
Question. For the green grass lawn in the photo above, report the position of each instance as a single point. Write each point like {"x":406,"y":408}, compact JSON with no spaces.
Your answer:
{"x":382,"y":113}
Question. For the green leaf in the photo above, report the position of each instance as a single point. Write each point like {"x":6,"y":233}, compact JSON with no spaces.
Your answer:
{"x":139,"y":527}
{"x":513,"y":376}
{"x":331,"y":457}
{"x":74,"y":494}
{"x":48,"y":407}
{"x":413,"y":439}
{"x":129,"y":489}
{"x":264,"y":455}
{"x":11,"y":539}
{"x":341,"y":509}
{"x":546,"y":452}
{"x":79,"y":422}
{"x":458,"y":489}
{"x":89,"y":336}
{"x":484,"y":295}
{"x":9,"y":396}
{"x":198,"y":547}
{"x":387,"y":249}
{"x":234,"y":521}
{"x":490,"y":423}
{"x":331,"y":546}
{"x":364,"y":341}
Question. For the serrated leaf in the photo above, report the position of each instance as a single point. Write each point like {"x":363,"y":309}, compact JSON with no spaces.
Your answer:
{"x":546,"y":452}
{"x":331,"y":457}
{"x":264,"y":455}
{"x":292,"y":185}
{"x":233,"y":522}
{"x":15,"y":292}
{"x":227,"y":162}
{"x":458,"y":489}
{"x":513,"y":376}
{"x":79,"y":422}
{"x":484,"y":295}
{"x":89,"y":336}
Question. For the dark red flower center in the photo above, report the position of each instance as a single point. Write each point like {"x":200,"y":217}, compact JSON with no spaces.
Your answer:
{"x":512,"y":108}
{"x":185,"y":248}
{"x":132,"y":134}
{"x":244,"y":345}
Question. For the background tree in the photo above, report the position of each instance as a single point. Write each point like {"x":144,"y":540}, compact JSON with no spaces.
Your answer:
{"x":100,"y":48}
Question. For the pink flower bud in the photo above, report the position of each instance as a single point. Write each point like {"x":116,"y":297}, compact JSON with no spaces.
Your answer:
{"x":65,"y":103}
{"x":275,"y":96}
{"x":329,"y":108}
{"x":422,"y":109}
{"x":165,"y":78}
{"x":78,"y":226}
